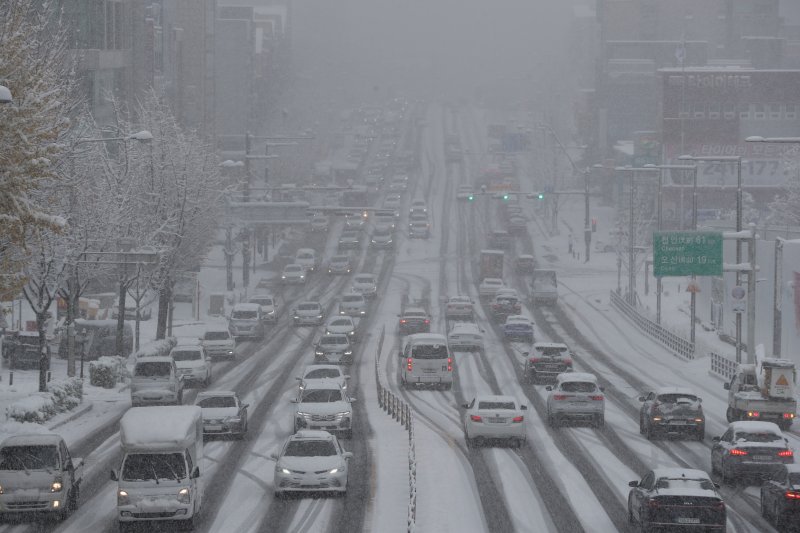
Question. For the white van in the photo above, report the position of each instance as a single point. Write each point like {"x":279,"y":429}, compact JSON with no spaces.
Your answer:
{"x":426,"y":361}
{"x":159,"y":478}
{"x":246,"y":321}
{"x":307,"y":258}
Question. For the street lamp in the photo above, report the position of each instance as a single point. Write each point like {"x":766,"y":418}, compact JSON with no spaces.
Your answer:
{"x":5,"y":95}
{"x":631,"y":240}
{"x":750,"y":322}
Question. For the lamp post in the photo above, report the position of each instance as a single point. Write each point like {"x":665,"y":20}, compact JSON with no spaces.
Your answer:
{"x":737,"y":159}
{"x":631,"y":237}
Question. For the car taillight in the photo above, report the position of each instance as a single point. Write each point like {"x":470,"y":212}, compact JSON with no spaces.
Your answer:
{"x":753,"y":414}
{"x":427,"y":321}
{"x":402,"y":321}
{"x":737,"y":451}
{"x":785,"y":453}
{"x":518,"y":419}
{"x":568,"y":362}
{"x":476,"y":418}
{"x":535,"y":359}
{"x":559,"y":396}
{"x":788,"y":415}
{"x":792,"y":495}
{"x":596,"y":397}
{"x":652,"y":502}
{"x":409,"y":364}
{"x":449,"y":364}
{"x":720,"y":505}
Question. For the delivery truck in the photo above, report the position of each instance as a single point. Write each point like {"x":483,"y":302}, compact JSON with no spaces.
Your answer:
{"x":763,"y":391}
{"x":492,"y":264}
{"x":160,"y":477}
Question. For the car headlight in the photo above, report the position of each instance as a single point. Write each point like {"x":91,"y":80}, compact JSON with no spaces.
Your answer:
{"x":230,"y":352}
{"x":184,"y":496}
{"x":348,"y":352}
{"x":343,"y":414}
{"x":123,"y":498}
{"x":319,"y":316}
{"x":318,"y":352}
{"x":302,"y":277}
{"x":233,"y":420}
{"x":302,"y":414}
{"x":283,"y":470}
{"x":333,"y":470}
{"x":271,"y":312}
{"x":56,"y":485}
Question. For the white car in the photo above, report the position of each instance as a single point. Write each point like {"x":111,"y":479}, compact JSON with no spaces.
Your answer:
{"x":335,"y":348}
{"x":317,"y":372}
{"x":306,"y":258}
{"x":489,"y":286}
{"x":269,"y":307}
{"x":465,"y":336}
{"x":418,"y":206}
{"x":382,"y":237}
{"x":324,"y":404}
{"x":392,"y":201}
{"x":319,"y":223}
{"x":576,"y":396}
{"x":223,"y":413}
{"x":365,"y":285}
{"x":340,"y":264}
{"x":311,"y":461}
{"x":342,"y":325}
{"x":308,"y":314}
{"x":356,"y":222}
{"x":293,"y":273}
{"x":192,"y":362}
{"x":218,"y":342}
{"x":459,"y":308}
{"x":494,"y":418}
{"x":354,"y":305}
{"x":398,"y":184}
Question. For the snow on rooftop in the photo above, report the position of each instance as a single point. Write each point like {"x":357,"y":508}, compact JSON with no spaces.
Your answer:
{"x":151,"y":428}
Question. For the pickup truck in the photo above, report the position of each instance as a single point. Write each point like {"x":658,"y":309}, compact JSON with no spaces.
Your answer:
{"x":38,"y":475}
{"x":763,"y":392}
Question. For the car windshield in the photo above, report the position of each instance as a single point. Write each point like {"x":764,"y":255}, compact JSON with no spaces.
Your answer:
{"x":261,"y":301}
{"x":551,"y":350}
{"x":496,"y":405}
{"x":363,"y":279}
{"x":218,"y":401}
{"x":677,"y":398}
{"x":293,"y":268}
{"x":794,"y":479}
{"x":753,"y":436}
{"x":340,"y":259}
{"x":578,"y":386}
{"x":186,"y":355}
{"x":323,"y":373}
{"x":216,"y":336}
{"x":429,"y":351}
{"x":684,"y":483}
{"x":308,"y":307}
{"x":305,"y":256}
{"x":244,"y":315}
{"x":352,"y":299}
{"x":154,"y":466}
{"x":41,"y":457}
{"x":310,"y":448}
{"x":322,"y":396}
{"x":414,"y":314}
{"x":342,"y":322}
{"x":152,"y":369}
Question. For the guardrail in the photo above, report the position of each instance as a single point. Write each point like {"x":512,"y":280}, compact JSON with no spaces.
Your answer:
{"x":722,"y":366}
{"x":679,"y":346}
{"x":399,"y":410}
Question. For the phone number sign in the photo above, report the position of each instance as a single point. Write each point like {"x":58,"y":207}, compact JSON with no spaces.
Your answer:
{"x":684,"y":253}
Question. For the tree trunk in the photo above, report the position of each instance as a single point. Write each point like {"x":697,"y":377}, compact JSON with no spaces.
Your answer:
{"x":123,"y":291}
{"x":44,"y":351}
{"x":164,"y":294}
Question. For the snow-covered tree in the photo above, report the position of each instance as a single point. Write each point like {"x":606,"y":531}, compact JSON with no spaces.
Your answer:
{"x":36,"y":67}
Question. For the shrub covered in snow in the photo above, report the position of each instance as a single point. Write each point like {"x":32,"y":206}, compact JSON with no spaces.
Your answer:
{"x":107,"y":371}
{"x":61,"y":396}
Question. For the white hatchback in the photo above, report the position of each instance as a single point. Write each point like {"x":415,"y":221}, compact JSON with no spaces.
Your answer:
{"x":192,"y":362}
{"x":293,"y":273}
{"x":489,"y":287}
{"x":365,"y":285}
{"x":342,"y":325}
{"x":311,"y":461}
{"x":495,"y":418}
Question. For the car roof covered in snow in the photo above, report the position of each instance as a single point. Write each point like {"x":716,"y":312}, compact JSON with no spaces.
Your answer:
{"x":553,"y":345}
{"x":213,"y":394}
{"x":32,"y":439}
{"x":311,"y":434}
{"x":755,"y":426}
{"x":577,"y":376}
{"x":246,"y":307}
{"x":675,"y":390}
{"x":420,"y":338}
{"x":495,"y":398}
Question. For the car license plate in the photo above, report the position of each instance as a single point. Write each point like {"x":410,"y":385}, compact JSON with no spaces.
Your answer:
{"x":687,"y":520}
{"x":677,"y":422}
{"x":213,"y":428}
{"x":762,"y":458}
{"x":497,"y":420}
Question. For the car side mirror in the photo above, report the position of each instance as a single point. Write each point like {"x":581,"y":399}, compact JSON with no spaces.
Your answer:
{"x":525,"y":354}
{"x":465,"y":405}
{"x":293,"y":400}
{"x":633,"y":483}
{"x":114,"y":475}
{"x":523,"y":407}
{"x":715,"y":439}
{"x":716,"y":485}
{"x":642,"y":398}
{"x":298,"y":378}
{"x":347,"y":455}
{"x":347,"y":376}
{"x":245,"y":406}
{"x":353,"y":399}
{"x":196,"y":472}
{"x":273,"y":456}
{"x":549,"y":388}
{"x":726,"y":386}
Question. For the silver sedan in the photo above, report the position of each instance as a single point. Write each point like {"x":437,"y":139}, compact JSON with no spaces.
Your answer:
{"x":495,"y":418}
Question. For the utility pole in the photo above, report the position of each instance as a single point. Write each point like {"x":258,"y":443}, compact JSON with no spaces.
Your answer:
{"x":631,"y":244}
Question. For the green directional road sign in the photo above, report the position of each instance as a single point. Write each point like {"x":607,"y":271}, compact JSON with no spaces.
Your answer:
{"x":683,"y":253}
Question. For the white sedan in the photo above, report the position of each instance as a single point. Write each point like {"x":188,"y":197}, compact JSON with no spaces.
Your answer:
{"x":317,"y":372}
{"x":489,"y":287}
{"x":342,"y":324}
{"x":311,"y":461}
{"x":293,"y":273}
{"x":465,"y":336}
{"x":494,"y":418}
{"x":365,"y":284}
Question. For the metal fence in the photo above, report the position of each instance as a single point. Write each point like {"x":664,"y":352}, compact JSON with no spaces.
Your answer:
{"x":679,"y":346}
{"x":722,"y":366}
{"x":399,"y":410}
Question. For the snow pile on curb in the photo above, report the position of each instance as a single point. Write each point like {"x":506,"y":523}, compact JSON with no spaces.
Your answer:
{"x":107,"y":371}
{"x":156,"y":348}
{"x":62,"y":395}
